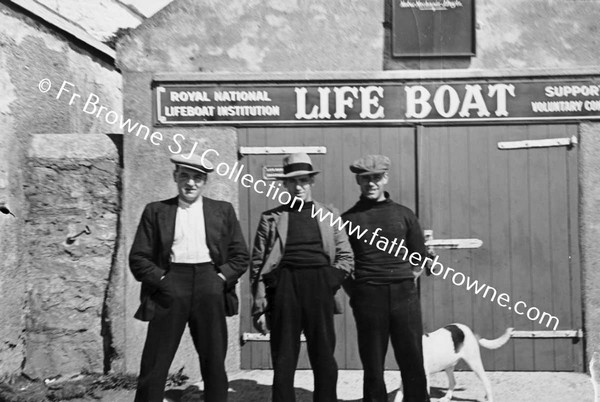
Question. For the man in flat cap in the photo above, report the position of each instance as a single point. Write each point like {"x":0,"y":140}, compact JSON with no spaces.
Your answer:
{"x":188,"y":253}
{"x":383,"y":292}
{"x":298,"y":264}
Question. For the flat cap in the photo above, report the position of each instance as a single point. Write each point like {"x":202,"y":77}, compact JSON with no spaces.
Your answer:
{"x":195,"y":162}
{"x":371,"y":164}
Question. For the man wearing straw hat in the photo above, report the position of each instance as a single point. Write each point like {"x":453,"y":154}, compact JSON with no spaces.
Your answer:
{"x":188,"y":253}
{"x":298,"y":264}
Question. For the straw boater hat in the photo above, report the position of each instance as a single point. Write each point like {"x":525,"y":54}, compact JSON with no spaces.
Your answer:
{"x":194,"y":162}
{"x":297,"y":164}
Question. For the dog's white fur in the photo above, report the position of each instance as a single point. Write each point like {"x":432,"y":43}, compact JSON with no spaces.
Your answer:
{"x":439,"y":355}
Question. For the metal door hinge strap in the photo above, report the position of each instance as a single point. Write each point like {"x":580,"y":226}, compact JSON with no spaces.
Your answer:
{"x":256,"y":337}
{"x":454,"y":243}
{"x":567,"y":333}
{"x":449,"y":243}
{"x":281,"y":150}
{"x":545,"y":143}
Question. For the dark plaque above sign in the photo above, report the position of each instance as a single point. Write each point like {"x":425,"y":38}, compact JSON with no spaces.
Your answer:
{"x":422,"y":28}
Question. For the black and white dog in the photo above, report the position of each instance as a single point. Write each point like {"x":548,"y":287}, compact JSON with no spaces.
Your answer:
{"x":443,"y":349}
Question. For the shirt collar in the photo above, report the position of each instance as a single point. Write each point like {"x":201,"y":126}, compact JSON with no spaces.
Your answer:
{"x":186,"y":205}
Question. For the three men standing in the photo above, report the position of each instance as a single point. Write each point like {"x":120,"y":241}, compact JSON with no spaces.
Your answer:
{"x":298,"y":264}
{"x":188,"y":253}
{"x":383,"y":294}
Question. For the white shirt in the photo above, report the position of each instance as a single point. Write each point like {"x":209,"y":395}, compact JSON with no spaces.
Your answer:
{"x":189,"y":243}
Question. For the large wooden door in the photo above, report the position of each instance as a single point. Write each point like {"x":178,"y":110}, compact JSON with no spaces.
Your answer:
{"x":522,"y":204}
{"x":335,"y":185}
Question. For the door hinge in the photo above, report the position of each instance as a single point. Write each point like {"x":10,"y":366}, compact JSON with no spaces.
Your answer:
{"x":450,"y":243}
{"x":281,"y":150}
{"x":545,"y":143}
{"x":567,"y":333}
{"x":256,"y":337}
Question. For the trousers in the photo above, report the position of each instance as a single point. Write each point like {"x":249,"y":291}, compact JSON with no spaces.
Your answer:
{"x":303,"y":301}
{"x":197,"y":300}
{"x":384,"y":312}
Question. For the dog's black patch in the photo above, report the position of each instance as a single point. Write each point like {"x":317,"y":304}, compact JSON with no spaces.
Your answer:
{"x":458,"y":336}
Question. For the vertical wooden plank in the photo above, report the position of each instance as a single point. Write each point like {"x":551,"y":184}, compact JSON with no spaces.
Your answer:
{"x":261,"y":357}
{"x":245,"y":293}
{"x":457,"y":218}
{"x":350,"y":149}
{"x":575,"y":264}
{"x":441,"y":223}
{"x":370,"y":140}
{"x":332,"y":179}
{"x":408,"y":168}
{"x":398,"y":143}
{"x":540,"y":245}
{"x":499,"y":245}
{"x":520,"y":257}
{"x":481,"y":310}
{"x":559,"y":248}
{"x":425,"y":146}
{"x":389,"y":145}
{"x":313,"y":136}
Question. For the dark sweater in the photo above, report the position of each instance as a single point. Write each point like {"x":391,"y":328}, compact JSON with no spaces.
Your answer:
{"x":375,"y":257}
{"x":303,"y":246}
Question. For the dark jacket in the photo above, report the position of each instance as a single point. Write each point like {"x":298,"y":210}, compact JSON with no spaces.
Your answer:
{"x":151,"y":249}
{"x":269,"y":247}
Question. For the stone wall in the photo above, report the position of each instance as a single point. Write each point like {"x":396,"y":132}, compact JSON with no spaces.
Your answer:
{"x":589,"y":218}
{"x":72,"y":181}
{"x":30,"y":51}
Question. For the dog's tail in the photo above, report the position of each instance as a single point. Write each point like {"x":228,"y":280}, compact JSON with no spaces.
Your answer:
{"x":498,"y":342}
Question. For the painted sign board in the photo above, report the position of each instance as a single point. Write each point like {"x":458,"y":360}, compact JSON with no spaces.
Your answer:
{"x":375,"y":102}
{"x":424,"y":28}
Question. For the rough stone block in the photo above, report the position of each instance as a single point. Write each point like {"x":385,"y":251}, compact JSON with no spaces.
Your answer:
{"x":67,"y":189}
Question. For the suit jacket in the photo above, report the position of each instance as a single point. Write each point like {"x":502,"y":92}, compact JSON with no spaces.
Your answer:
{"x":151,"y":249}
{"x":269,"y":245}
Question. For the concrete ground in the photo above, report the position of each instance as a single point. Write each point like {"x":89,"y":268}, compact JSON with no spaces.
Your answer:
{"x":255,"y":386}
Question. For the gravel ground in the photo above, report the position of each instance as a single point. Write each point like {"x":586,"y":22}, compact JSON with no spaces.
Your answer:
{"x":255,"y":386}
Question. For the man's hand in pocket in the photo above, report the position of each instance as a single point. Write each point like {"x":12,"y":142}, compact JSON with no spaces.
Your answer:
{"x":417,"y":273}
{"x":163,"y":296}
{"x":260,"y":323}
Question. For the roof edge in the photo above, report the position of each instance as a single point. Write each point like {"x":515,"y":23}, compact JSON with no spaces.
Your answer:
{"x":48,"y":16}
{"x":394,"y":75}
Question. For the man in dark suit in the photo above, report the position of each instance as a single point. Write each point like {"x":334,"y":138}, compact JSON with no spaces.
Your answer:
{"x":298,"y":264}
{"x":188,"y":253}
